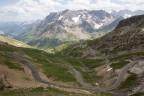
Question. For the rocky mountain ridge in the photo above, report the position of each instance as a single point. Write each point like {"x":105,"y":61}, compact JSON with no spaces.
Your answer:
{"x":127,"y":37}
{"x":67,"y":25}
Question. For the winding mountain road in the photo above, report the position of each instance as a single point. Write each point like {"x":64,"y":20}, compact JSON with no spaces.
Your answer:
{"x":74,"y":72}
{"x":37,"y":77}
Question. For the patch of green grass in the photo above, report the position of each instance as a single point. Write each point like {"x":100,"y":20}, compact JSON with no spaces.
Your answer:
{"x":73,"y":61}
{"x":49,"y":90}
{"x":59,"y":73}
{"x":92,"y":63}
{"x":13,"y":42}
{"x":88,"y":76}
{"x":102,"y":94}
{"x":7,"y":60}
{"x":119,"y":65}
{"x":85,"y":67}
{"x":8,"y":48}
{"x":129,"y":82}
{"x":12,"y":65}
{"x":53,"y":70}
{"x":40,"y":91}
{"x":26,"y":78}
{"x":126,"y":56}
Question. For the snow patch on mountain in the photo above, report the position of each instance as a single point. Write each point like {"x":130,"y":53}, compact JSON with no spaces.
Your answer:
{"x":109,"y":69}
{"x":60,"y":18}
{"x":76,"y":19}
{"x":97,"y":25}
{"x":107,"y":20}
{"x":127,"y":16}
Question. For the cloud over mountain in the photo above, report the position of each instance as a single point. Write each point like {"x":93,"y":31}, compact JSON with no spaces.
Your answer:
{"x":25,"y":10}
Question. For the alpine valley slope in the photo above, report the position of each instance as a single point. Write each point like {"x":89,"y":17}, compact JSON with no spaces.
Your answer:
{"x":123,"y":45}
{"x":13,"y":42}
{"x":127,"y":37}
{"x":13,"y":29}
{"x":28,"y":72}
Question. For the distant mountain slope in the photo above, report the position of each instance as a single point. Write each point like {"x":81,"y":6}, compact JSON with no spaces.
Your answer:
{"x":127,"y":13}
{"x":126,"y":38}
{"x":66,"y":26}
{"x":12,"y":29}
{"x":13,"y":42}
{"x":111,"y":26}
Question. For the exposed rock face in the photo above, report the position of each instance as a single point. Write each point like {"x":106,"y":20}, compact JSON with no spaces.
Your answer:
{"x":138,"y":69}
{"x":4,"y":84}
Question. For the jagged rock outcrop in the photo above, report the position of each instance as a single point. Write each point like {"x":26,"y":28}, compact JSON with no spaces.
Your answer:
{"x":4,"y":83}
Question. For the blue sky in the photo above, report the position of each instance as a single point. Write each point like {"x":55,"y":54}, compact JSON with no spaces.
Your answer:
{"x":7,"y":2}
{"x":25,"y":10}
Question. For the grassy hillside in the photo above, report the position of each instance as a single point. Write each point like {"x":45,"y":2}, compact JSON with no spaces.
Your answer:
{"x":52,"y":65}
{"x":47,"y":92}
{"x":13,"y":42}
{"x":117,"y":49}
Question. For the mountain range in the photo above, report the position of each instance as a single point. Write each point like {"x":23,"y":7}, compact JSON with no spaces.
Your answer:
{"x":68,"y":26}
{"x":12,"y":29}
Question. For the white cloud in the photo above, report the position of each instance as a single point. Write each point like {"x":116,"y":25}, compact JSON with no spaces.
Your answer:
{"x":28,"y":10}
{"x":38,"y":9}
{"x":132,"y":1}
{"x":79,"y":4}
